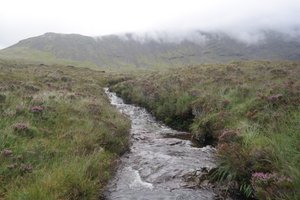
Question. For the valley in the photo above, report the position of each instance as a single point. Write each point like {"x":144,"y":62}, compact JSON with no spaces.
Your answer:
{"x":232,"y":109}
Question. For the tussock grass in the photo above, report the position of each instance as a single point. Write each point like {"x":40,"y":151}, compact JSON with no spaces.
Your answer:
{"x":59,"y":135}
{"x":248,"y":110}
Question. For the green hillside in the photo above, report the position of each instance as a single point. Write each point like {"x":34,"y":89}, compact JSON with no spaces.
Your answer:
{"x":127,"y":50}
{"x":29,"y":55}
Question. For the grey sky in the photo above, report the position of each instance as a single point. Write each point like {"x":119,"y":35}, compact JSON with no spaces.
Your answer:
{"x":21,"y":19}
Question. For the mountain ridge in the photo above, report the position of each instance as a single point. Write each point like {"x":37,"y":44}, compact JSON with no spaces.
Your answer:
{"x":138,"y":51}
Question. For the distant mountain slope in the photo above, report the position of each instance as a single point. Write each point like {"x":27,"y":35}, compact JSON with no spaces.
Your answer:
{"x":119,"y":51}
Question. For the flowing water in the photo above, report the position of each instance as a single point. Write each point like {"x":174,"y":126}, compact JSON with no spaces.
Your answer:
{"x":158,"y":161}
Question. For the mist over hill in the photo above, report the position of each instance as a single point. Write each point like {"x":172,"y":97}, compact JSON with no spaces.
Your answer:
{"x":156,"y":50}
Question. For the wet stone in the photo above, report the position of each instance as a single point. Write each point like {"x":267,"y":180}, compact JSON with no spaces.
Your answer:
{"x":158,"y":161}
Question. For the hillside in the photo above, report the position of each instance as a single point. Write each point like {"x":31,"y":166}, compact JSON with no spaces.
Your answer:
{"x":128,"y":50}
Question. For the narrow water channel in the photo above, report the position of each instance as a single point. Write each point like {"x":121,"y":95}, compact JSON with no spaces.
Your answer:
{"x":158,"y":161}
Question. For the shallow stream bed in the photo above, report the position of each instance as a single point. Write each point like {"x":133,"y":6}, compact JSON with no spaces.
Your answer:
{"x":158,"y":161}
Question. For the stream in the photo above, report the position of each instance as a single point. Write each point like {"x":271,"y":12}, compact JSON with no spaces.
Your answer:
{"x":158,"y":162}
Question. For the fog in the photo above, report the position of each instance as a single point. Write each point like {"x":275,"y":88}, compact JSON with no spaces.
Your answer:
{"x":165,"y":36}
{"x":168,"y":20}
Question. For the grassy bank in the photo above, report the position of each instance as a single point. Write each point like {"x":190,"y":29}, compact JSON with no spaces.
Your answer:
{"x":249,"y":110}
{"x":59,"y":135}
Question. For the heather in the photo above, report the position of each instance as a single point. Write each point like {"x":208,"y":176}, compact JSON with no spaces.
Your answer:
{"x":248,"y":110}
{"x":59,"y":136}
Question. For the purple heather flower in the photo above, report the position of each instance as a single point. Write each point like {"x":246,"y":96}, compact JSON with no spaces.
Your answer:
{"x":265,"y":177}
{"x":20,"y":127}
{"x":7,"y":152}
{"x":37,"y":109}
{"x":261,"y":176}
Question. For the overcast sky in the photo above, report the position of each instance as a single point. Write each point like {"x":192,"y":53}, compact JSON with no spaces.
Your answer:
{"x":20,"y":19}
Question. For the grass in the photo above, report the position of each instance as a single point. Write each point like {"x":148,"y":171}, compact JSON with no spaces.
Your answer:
{"x":249,"y":110}
{"x":28,"y":55}
{"x":59,"y":135}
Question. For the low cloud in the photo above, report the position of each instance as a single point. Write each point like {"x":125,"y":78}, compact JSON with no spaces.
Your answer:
{"x":201,"y":37}
{"x":169,"y":20}
{"x":165,"y":36}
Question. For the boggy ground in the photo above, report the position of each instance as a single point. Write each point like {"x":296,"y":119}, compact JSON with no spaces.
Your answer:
{"x":249,"y":110}
{"x":59,"y":135}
